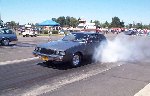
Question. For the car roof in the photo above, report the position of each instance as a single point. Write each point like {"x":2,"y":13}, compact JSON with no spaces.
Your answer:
{"x":86,"y":32}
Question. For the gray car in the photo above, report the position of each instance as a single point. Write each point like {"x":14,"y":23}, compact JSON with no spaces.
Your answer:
{"x":73,"y":48}
{"x":7,"y":36}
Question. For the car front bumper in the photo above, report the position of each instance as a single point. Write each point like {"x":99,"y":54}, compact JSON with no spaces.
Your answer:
{"x":14,"y":41}
{"x":47,"y":57}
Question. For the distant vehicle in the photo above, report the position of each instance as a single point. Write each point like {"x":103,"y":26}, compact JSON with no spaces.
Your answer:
{"x":130,"y":32}
{"x":28,"y":33}
{"x":148,"y":34}
{"x":7,"y":36}
{"x":73,"y":48}
{"x":62,"y":32}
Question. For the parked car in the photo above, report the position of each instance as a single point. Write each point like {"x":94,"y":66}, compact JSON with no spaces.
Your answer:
{"x":28,"y":33}
{"x":7,"y":36}
{"x":62,"y":32}
{"x":73,"y":48}
{"x":148,"y":34}
{"x":130,"y":32}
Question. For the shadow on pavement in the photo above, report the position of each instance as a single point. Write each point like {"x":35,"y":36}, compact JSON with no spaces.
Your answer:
{"x":25,"y":45}
{"x":55,"y":65}
{"x":61,"y":66}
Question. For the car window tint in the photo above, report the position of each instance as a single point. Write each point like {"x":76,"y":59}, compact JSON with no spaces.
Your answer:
{"x":69,"y":37}
{"x":80,"y":36}
{"x":1,"y":31}
{"x":94,"y":38}
{"x":8,"y":32}
{"x":75,"y":37}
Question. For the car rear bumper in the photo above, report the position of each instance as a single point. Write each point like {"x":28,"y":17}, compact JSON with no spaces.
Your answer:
{"x":47,"y":57}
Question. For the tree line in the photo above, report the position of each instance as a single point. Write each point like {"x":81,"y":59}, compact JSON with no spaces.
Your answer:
{"x":73,"y":22}
{"x":67,"y":21}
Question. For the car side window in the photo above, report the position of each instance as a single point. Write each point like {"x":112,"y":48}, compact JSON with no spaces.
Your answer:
{"x":8,"y":32}
{"x":94,"y":38}
{"x":2,"y":32}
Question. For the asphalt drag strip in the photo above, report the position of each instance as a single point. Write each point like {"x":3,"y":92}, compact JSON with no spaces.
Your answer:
{"x":34,"y":77}
{"x":18,"y":61}
{"x":125,"y":80}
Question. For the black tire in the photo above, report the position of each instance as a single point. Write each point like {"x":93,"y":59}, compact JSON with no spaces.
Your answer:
{"x":76,"y":60}
{"x":27,"y":35}
{"x":5,"y":42}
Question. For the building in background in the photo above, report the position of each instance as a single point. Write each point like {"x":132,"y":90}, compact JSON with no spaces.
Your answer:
{"x":84,"y":26}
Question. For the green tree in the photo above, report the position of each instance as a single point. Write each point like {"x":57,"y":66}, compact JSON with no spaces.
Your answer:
{"x":122,"y":24}
{"x":116,"y":22}
{"x":73,"y":22}
{"x":1,"y":23}
{"x":139,"y":26}
{"x":97,"y":23}
{"x":130,"y":26}
{"x":79,"y":19}
{"x":145,"y":27}
{"x":54,"y":19}
{"x":68,"y":21}
{"x":61,"y":21}
{"x":11,"y":24}
{"x":91,"y":21}
{"x":105,"y":25}
{"x":149,"y":26}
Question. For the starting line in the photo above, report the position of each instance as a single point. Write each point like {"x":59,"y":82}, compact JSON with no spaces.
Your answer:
{"x":18,"y":61}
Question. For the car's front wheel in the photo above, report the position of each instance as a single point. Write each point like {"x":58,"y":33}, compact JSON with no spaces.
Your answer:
{"x":5,"y":42}
{"x":76,"y":60}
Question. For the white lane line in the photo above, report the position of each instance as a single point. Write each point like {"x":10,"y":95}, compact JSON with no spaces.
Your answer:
{"x":144,"y":92}
{"x":18,"y":61}
{"x":62,"y":82}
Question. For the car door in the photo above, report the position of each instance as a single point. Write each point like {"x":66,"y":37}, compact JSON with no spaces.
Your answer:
{"x":1,"y":34}
{"x":92,"y":43}
{"x":10,"y":34}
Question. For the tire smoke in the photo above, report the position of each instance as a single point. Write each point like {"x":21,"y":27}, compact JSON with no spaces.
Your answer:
{"x":123,"y":48}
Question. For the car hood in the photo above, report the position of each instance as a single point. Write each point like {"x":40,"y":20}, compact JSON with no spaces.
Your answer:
{"x":59,"y":45}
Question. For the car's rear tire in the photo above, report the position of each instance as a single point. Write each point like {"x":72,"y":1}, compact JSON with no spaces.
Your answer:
{"x":5,"y":42}
{"x":76,"y":60}
{"x":27,"y":35}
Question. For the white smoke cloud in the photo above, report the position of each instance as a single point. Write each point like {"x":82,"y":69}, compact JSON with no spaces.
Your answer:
{"x":123,"y":48}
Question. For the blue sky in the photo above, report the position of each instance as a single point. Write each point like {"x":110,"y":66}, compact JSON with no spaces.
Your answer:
{"x":35,"y":11}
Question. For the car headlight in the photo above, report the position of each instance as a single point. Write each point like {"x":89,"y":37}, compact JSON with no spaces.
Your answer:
{"x":57,"y":52}
{"x":36,"y":49}
{"x":62,"y":53}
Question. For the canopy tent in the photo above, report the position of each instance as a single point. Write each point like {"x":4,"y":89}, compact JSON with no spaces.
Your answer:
{"x":49,"y":23}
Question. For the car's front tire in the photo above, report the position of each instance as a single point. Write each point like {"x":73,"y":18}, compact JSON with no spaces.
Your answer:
{"x":76,"y":60}
{"x":5,"y":42}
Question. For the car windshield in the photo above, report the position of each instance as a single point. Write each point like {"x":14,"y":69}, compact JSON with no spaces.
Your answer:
{"x":75,"y":37}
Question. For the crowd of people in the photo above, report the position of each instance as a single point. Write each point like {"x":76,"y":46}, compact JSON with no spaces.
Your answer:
{"x":131,"y":31}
